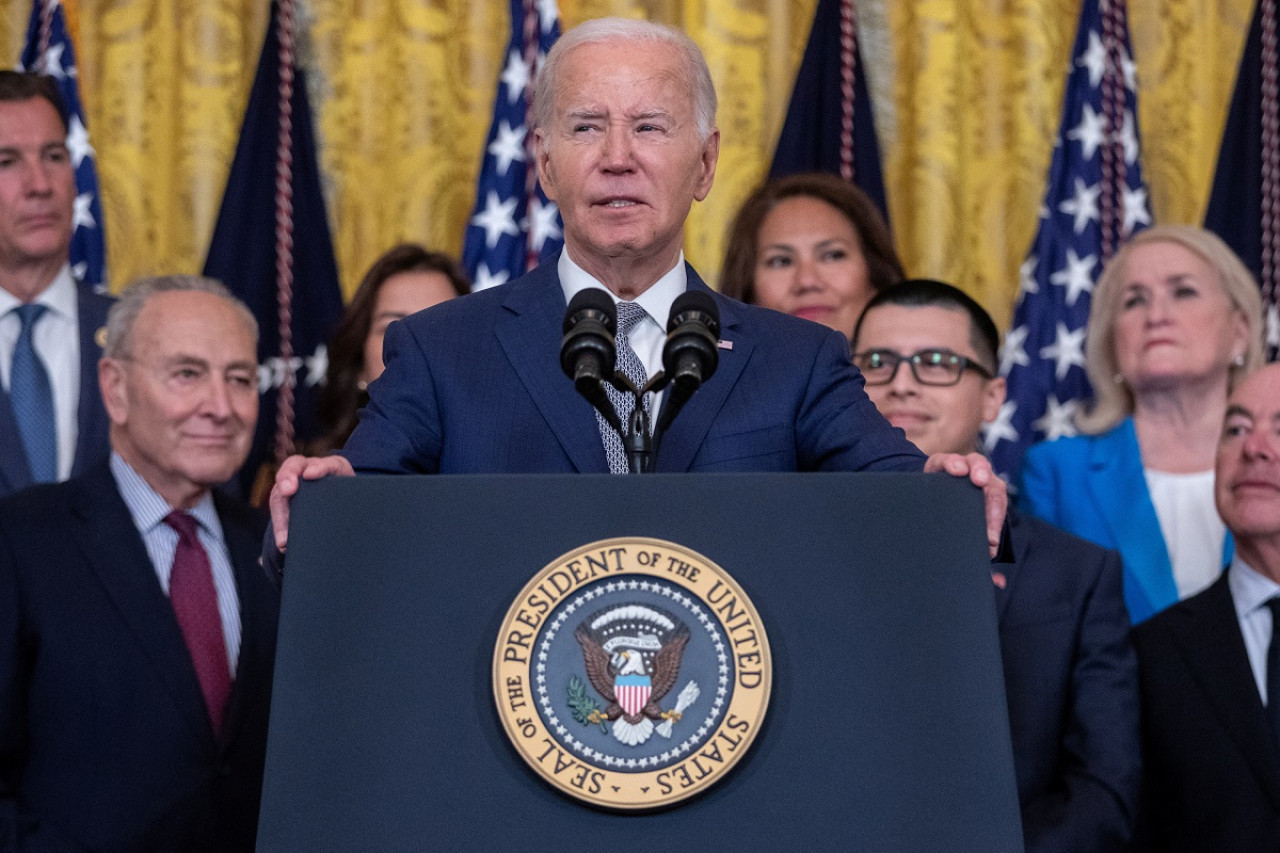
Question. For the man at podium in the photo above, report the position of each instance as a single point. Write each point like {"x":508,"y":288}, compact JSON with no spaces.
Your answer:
{"x":626,"y":142}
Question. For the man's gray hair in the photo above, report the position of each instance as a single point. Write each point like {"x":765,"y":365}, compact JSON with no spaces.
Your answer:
{"x":124,"y":313}
{"x":628,"y":29}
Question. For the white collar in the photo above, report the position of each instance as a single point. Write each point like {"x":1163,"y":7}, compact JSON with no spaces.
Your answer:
{"x":655,"y":300}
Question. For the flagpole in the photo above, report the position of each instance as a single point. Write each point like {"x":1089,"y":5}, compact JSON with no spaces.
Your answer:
{"x":1270,"y":162}
{"x":284,"y":440}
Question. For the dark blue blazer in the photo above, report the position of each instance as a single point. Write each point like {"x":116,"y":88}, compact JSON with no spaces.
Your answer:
{"x":92,"y":445}
{"x":474,"y":385}
{"x":1072,"y":686}
{"x":1212,"y":775}
{"x":105,"y":743}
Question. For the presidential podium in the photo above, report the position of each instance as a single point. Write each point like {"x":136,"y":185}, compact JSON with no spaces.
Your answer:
{"x":885,"y":726}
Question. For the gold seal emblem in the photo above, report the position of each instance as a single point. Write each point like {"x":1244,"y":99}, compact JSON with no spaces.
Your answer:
{"x":632,"y":673}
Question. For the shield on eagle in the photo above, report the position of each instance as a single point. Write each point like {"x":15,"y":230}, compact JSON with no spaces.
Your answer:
{"x":632,"y":692}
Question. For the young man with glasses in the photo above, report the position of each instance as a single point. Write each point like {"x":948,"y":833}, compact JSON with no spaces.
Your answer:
{"x":928,"y":355}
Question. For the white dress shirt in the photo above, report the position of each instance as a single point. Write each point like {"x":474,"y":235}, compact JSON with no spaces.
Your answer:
{"x":1250,"y":592}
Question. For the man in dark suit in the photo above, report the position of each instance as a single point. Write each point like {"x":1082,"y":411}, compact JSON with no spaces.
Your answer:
{"x":626,"y":142}
{"x":137,"y":631}
{"x":928,"y":352}
{"x":52,"y":425}
{"x":1210,"y":666}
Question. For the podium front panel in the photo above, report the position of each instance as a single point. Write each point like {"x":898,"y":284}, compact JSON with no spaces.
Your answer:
{"x":886,"y":731}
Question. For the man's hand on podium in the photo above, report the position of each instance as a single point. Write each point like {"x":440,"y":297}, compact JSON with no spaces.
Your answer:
{"x":294,"y":470}
{"x":995,"y":494}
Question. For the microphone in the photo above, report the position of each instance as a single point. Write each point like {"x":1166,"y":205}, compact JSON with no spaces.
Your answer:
{"x":690,"y":355}
{"x":587,"y":351}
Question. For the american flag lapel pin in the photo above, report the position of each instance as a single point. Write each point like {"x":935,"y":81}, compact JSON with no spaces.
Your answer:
{"x":724,"y":344}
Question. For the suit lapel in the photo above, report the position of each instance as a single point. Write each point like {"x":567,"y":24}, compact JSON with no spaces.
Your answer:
{"x":259,"y":613}
{"x":15,"y":473}
{"x":688,"y":431}
{"x":91,"y":440}
{"x":1208,"y":638}
{"x":1118,"y":488}
{"x":118,"y":557}
{"x":1005,"y":576}
{"x":530,"y":336}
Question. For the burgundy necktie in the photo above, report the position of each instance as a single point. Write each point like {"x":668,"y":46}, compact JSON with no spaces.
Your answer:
{"x":195,"y":603}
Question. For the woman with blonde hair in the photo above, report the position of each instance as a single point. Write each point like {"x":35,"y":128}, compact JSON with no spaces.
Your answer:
{"x":1176,"y":320}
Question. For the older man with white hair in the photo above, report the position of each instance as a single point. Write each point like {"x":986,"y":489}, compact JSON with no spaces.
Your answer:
{"x":626,"y":143}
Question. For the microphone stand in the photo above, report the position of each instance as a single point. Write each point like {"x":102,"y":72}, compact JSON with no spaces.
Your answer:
{"x":637,"y":437}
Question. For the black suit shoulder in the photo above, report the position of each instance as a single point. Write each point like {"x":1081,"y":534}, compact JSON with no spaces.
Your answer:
{"x":1212,"y":766}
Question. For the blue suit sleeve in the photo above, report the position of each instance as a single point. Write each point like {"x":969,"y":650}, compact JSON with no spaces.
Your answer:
{"x":839,"y":428}
{"x":399,"y":431}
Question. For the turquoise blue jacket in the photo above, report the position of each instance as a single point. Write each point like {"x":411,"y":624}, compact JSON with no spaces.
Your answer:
{"x":1094,"y":487}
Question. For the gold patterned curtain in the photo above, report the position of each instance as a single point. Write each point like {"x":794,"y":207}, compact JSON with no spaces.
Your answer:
{"x":967,"y":95}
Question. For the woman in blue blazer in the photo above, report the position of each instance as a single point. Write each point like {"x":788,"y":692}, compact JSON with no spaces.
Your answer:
{"x":1175,"y":320}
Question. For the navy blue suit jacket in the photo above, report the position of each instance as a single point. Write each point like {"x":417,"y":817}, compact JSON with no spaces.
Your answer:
{"x":1212,"y":776}
{"x":474,"y":385}
{"x":1072,"y":685}
{"x":105,"y":743}
{"x":92,"y":445}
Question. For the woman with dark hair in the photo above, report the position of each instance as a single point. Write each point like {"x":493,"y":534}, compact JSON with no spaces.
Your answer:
{"x":406,"y":279}
{"x":811,"y":245}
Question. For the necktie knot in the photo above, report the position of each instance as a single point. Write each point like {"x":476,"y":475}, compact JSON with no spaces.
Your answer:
{"x":629,"y":316}
{"x":185,"y":524}
{"x":29,"y":315}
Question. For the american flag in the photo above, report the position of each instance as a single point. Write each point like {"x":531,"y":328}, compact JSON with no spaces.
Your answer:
{"x":513,"y":225}
{"x":49,"y":51}
{"x":1094,"y":200}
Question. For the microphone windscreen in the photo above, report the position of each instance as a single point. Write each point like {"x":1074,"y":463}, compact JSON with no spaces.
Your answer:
{"x":695,"y":301}
{"x":591,"y":299}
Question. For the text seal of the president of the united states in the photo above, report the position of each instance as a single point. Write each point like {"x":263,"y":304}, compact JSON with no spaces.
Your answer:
{"x":632,"y":673}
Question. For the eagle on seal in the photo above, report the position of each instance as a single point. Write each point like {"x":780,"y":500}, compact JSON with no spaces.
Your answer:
{"x":632,"y":656}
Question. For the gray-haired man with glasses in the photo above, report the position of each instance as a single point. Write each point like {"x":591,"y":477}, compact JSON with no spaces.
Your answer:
{"x":1070,"y":673}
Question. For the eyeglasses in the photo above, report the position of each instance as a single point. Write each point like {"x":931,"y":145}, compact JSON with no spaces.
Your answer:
{"x":929,"y":366}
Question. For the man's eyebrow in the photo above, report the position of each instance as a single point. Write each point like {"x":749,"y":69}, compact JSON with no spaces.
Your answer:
{"x":1237,"y":410}
{"x":654,"y":113}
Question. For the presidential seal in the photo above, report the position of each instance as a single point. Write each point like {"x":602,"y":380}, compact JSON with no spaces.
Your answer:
{"x":632,"y":673}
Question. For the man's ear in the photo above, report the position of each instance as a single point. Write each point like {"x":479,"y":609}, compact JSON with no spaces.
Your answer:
{"x":707,"y":165}
{"x":543,"y":161}
{"x":992,"y":399}
{"x":112,"y":382}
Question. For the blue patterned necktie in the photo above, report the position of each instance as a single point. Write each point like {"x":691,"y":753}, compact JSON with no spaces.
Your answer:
{"x":628,"y":363}
{"x":32,"y":398}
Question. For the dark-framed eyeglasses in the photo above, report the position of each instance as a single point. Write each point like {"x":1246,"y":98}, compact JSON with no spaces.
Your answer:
{"x":929,"y":366}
